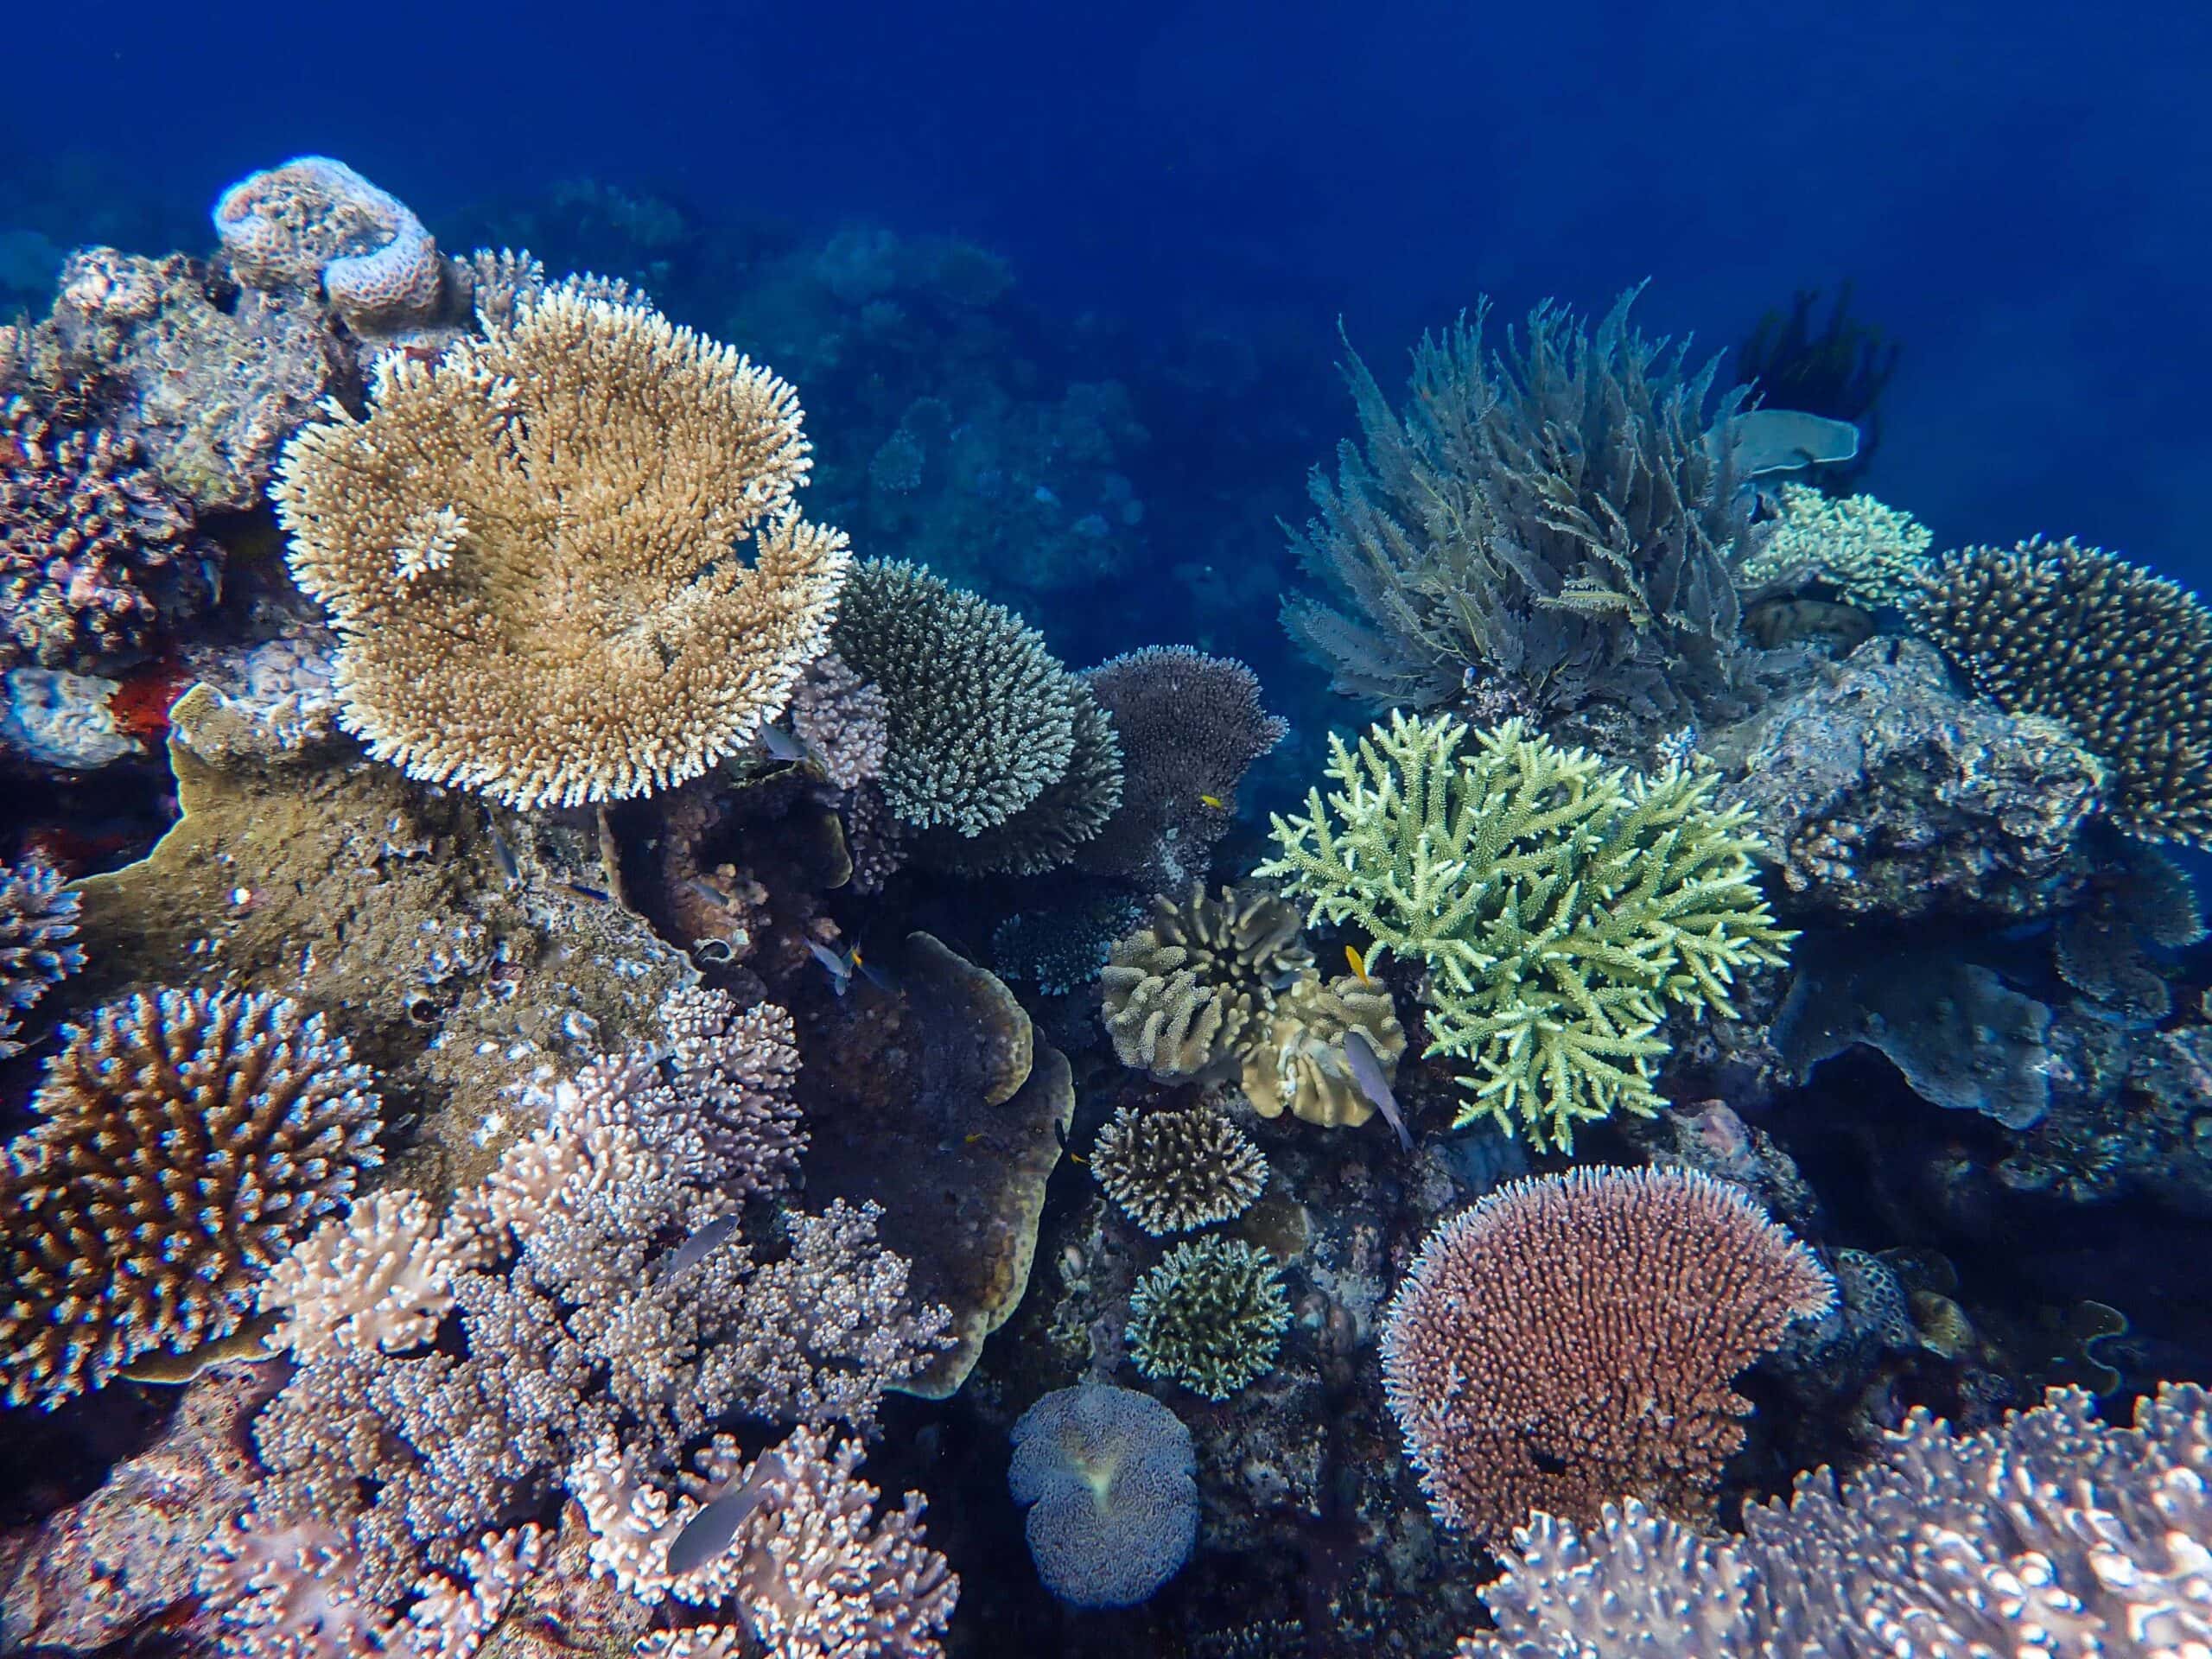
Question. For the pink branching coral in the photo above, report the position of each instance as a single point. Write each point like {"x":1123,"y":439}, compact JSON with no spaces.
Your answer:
{"x":1191,"y":727}
{"x":1570,"y":1341}
{"x":95,"y":555}
{"x":38,"y":918}
{"x":316,"y":220}
{"x":2051,"y":1533}
{"x":811,"y":1570}
{"x":841,"y":718}
{"x":187,"y":1138}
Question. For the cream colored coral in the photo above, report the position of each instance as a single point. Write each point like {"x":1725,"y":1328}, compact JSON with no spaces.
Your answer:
{"x":535,"y":552}
{"x":1185,"y":992}
{"x":1301,"y":1064}
{"x":1873,"y":554}
{"x":381,"y":1278}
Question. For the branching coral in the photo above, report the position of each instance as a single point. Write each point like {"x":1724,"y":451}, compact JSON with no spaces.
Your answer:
{"x":379,"y":1279}
{"x":1571,"y":1339}
{"x":811,"y":1570}
{"x":1555,"y":518}
{"x":1559,"y":905}
{"x":1874,"y":555}
{"x":96,"y":557}
{"x":1172,"y":1171}
{"x":1191,"y":726}
{"x":2050,"y":1534}
{"x":38,"y":918}
{"x":1067,"y":813}
{"x":533,"y":549}
{"x":983,"y":716}
{"x":187,"y":1140}
{"x":842,"y":720}
{"x":1191,"y":989}
{"x":1211,"y":1316}
{"x":2122,"y":657}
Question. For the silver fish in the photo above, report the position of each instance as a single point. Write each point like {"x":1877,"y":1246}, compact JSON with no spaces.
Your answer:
{"x":707,"y":1535}
{"x":694,"y":1250}
{"x":781,"y":745}
{"x":504,"y":856}
{"x":838,"y":966}
{"x":1366,"y":1068}
{"x":713,"y":894}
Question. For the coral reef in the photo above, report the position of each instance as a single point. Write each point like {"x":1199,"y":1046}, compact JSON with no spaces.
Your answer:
{"x":1175,"y":1172}
{"x":2136,"y":896}
{"x":1558,"y":905}
{"x":1105,"y":1473}
{"x":1299,"y":1063}
{"x":1191,"y":990}
{"x":97,"y":559}
{"x":1211,"y":1316}
{"x":1570,"y":1340}
{"x":1067,"y":813}
{"x":842,"y":720}
{"x":1873,"y":556}
{"x":2121,"y":657}
{"x":315,"y":221}
{"x":1191,"y":726}
{"x":37,"y":921}
{"x":1552,"y":517}
{"x":1881,"y":793}
{"x":1062,"y":944}
{"x":185,"y":1139}
{"x":2052,"y":1533}
{"x":525,"y":606}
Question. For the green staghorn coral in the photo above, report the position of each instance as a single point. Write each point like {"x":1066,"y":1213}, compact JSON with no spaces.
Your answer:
{"x":1559,"y":905}
{"x":1873,"y":554}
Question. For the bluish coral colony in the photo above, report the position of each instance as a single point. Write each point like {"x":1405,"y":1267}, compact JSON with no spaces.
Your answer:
{"x":665,"y":984}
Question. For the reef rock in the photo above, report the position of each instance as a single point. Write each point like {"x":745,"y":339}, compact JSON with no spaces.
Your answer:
{"x":457,"y":947}
{"x":1883,"y":793}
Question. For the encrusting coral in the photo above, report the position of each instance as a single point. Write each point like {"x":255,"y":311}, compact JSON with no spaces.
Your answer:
{"x":533,"y":552}
{"x":1559,"y":906}
{"x":2048,"y":1534}
{"x":1871,"y":554}
{"x":38,"y":918}
{"x":1210,"y":1316}
{"x":186,"y":1141}
{"x":1557,"y":518}
{"x":317,"y":221}
{"x":1570,"y":1340}
{"x":1172,"y":1171}
{"x":1190,"y":990}
{"x":1191,"y":726}
{"x":2121,"y":657}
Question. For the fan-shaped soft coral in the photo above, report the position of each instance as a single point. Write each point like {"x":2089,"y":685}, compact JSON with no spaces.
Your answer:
{"x":1299,"y":1063}
{"x":1558,"y":905}
{"x":38,"y":918}
{"x":1106,"y":1474}
{"x":2121,"y":657}
{"x":187,"y":1140}
{"x":2050,"y":1534}
{"x":534,"y":552}
{"x":1571,"y":1340}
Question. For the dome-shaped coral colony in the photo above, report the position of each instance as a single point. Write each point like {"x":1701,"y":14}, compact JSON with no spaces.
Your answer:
{"x":537,"y":1206}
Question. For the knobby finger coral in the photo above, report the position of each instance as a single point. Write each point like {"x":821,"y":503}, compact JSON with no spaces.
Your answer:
{"x":1211,"y":1316}
{"x":2048,"y":1534}
{"x":1172,"y":1172}
{"x":187,"y":1140}
{"x":1558,"y":904}
{"x":1107,"y":1476}
{"x":1190,"y":990}
{"x":535,"y":551}
{"x":2121,"y":657}
{"x":38,"y":918}
{"x":1570,"y":1340}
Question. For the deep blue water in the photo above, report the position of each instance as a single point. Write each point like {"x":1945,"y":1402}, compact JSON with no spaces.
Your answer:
{"x":2017,"y":190}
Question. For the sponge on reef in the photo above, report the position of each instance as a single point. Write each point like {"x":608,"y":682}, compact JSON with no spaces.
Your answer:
{"x":1114,"y":1508}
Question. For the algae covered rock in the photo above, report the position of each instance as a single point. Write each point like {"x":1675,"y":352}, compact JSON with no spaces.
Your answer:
{"x":1882,"y":791}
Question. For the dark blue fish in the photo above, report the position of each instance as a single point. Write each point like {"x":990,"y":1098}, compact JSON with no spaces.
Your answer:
{"x":596,"y":895}
{"x":504,"y":856}
{"x":707,"y":1535}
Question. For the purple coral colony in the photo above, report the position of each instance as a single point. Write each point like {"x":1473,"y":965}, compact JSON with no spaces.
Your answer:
{"x":607,"y":1054}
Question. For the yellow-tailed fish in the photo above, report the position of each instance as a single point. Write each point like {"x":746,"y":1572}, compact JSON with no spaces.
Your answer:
{"x":1358,"y":965}
{"x":1215,"y":802}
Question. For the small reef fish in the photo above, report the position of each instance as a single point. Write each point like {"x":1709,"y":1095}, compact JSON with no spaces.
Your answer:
{"x":504,"y":856}
{"x":1366,"y":1068}
{"x":1359,"y":965}
{"x":248,"y":1342}
{"x":597,"y":895}
{"x":838,"y":965}
{"x":781,"y":745}
{"x":707,"y":1535}
{"x":1213,"y":801}
{"x":714,"y":895}
{"x":693,"y":1250}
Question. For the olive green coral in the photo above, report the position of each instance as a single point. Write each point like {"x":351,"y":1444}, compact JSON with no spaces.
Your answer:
{"x":2121,"y":657}
{"x":1874,"y":555}
{"x":1559,"y":905}
{"x":1211,"y":1316}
